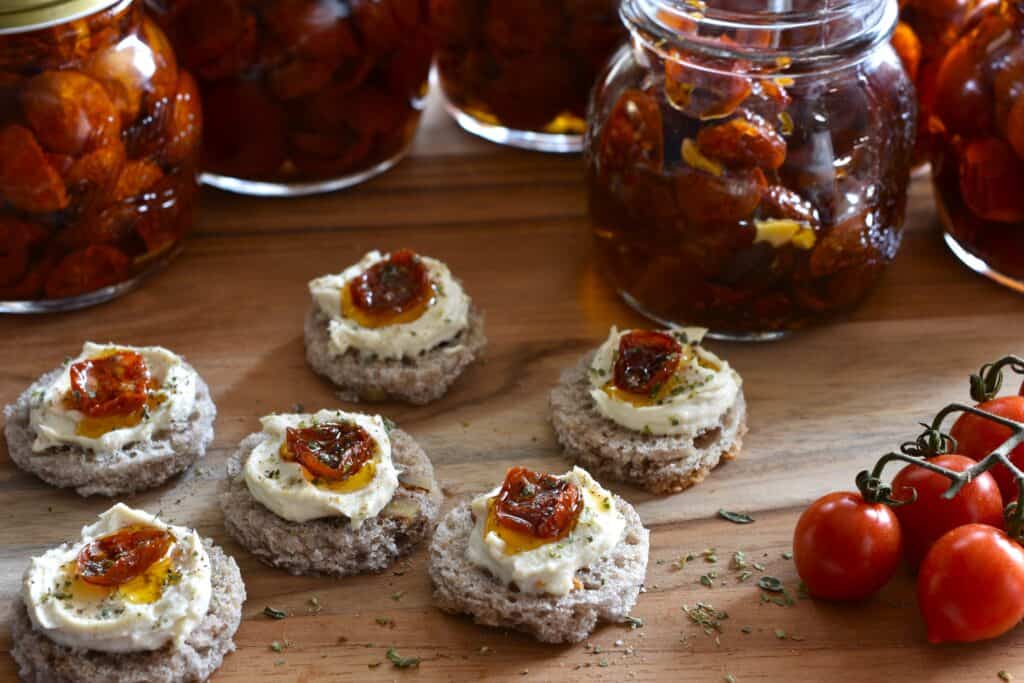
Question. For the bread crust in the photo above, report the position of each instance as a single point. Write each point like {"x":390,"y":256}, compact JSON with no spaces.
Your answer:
{"x":610,"y":586}
{"x":122,"y":472}
{"x":660,"y":464}
{"x":41,"y":660}
{"x":329,"y":546}
{"x":419,"y":381}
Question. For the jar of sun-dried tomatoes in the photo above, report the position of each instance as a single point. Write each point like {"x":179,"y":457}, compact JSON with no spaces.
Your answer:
{"x":748,"y":160}
{"x":99,"y":135}
{"x":519,"y":73}
{"x":302,"y":96}
{"x":925,"y":32}
{"x":978,"y":144}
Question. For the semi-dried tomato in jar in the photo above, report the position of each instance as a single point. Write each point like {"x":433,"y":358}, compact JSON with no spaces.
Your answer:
{"x":302,"y":96}
{"x":519,"y":73}
{"x":747,"y":167}
{"x":977,"y":131}
{"x":925,"y":32}
{"x":99,"y":140}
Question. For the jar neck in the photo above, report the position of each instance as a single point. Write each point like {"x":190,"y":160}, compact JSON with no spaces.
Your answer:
{"x":813,"y":34}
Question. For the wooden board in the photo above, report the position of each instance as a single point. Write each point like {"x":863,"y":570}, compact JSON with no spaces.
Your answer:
{"x":513,"y":225}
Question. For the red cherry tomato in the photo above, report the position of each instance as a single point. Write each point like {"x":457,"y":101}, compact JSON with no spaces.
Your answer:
{"x":971,"y":585}
{"x":976,"y":437}
{"x":846,"y":548}
{"x":930,"y":516}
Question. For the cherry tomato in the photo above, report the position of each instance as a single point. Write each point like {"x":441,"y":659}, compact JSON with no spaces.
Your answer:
{"x":119,"y":557}
{"x":971,"y":585}
{"x":846,"y":548}
{"x":930,"y":516}
{"x":541,"y":505}
{"x":976,"y":437}
{"x":334,"y":451}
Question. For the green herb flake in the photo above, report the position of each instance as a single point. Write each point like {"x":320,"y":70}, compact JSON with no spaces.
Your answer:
{"x":276,"y":646}
{"x":1005,"y":675}
{"x":788,"y":555}
{"x":736,"y":517}
{"x":780,"y":634}
{"x":274,"y":613}
{"x":634,"y":622}
{"x":396,"y":596}
{"x":729,"y":678}
{"x":770,"y":584}
{"x":401,"y":662}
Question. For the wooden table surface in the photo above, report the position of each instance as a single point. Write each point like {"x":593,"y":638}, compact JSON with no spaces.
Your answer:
{"x":513,"y":225}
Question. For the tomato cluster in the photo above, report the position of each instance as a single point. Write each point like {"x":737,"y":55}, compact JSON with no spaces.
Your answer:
{"x":99,"y":134}
{"x":970,"y":570}
{"x":303,"y":90}
{"x":977,"y":137}
{"x":527,"y":65}
{"x":696,"y":164}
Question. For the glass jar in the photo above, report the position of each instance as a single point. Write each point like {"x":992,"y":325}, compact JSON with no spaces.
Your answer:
{"x":978,"y":144}
{"x":519,"y":73}
{"x":926,"y":31}
{"x":99,"y":136}
{"x":748,"y":166}
{"x":302,"y":96}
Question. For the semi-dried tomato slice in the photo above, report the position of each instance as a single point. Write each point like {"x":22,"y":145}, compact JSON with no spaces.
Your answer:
{"x":646,"y":360}
{"x":540,"y":505}
{"x":119,"y":557}
{"x":115,"y":384}
{"x":633,"y":135}
{"x":92,"y":268}
{"x":392,"y":287}
{"x":334,"y":451}
{"x":744,"y":141}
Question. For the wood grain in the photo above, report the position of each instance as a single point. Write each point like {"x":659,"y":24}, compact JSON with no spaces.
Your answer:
{"x":513,"y":225}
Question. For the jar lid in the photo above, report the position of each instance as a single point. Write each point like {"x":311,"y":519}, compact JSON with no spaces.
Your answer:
{"x":26,"y":15}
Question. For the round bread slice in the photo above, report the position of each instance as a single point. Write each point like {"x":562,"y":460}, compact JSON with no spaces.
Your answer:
{"x":330,"y":545}
{"x":121,"y":472}
{"x":660,"y":464}
{"x":419,"y":381}
{"x":41,"y":660}
{"x":610,"y":585}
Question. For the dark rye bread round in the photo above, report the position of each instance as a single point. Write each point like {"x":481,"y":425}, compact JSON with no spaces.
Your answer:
{"x":419,"y":381}
{"x":610,"y":585}
{"x":122,"y":472}
{"x":330,"y":545}
{"x":41,"y":660}
{"x":660,"y":464}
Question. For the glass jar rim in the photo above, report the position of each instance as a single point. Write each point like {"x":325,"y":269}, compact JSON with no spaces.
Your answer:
{"x":846,"y":31}
{"x":32,"y":15}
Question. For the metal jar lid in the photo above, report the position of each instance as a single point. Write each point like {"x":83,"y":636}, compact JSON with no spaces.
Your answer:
{"x":17,"y":16}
